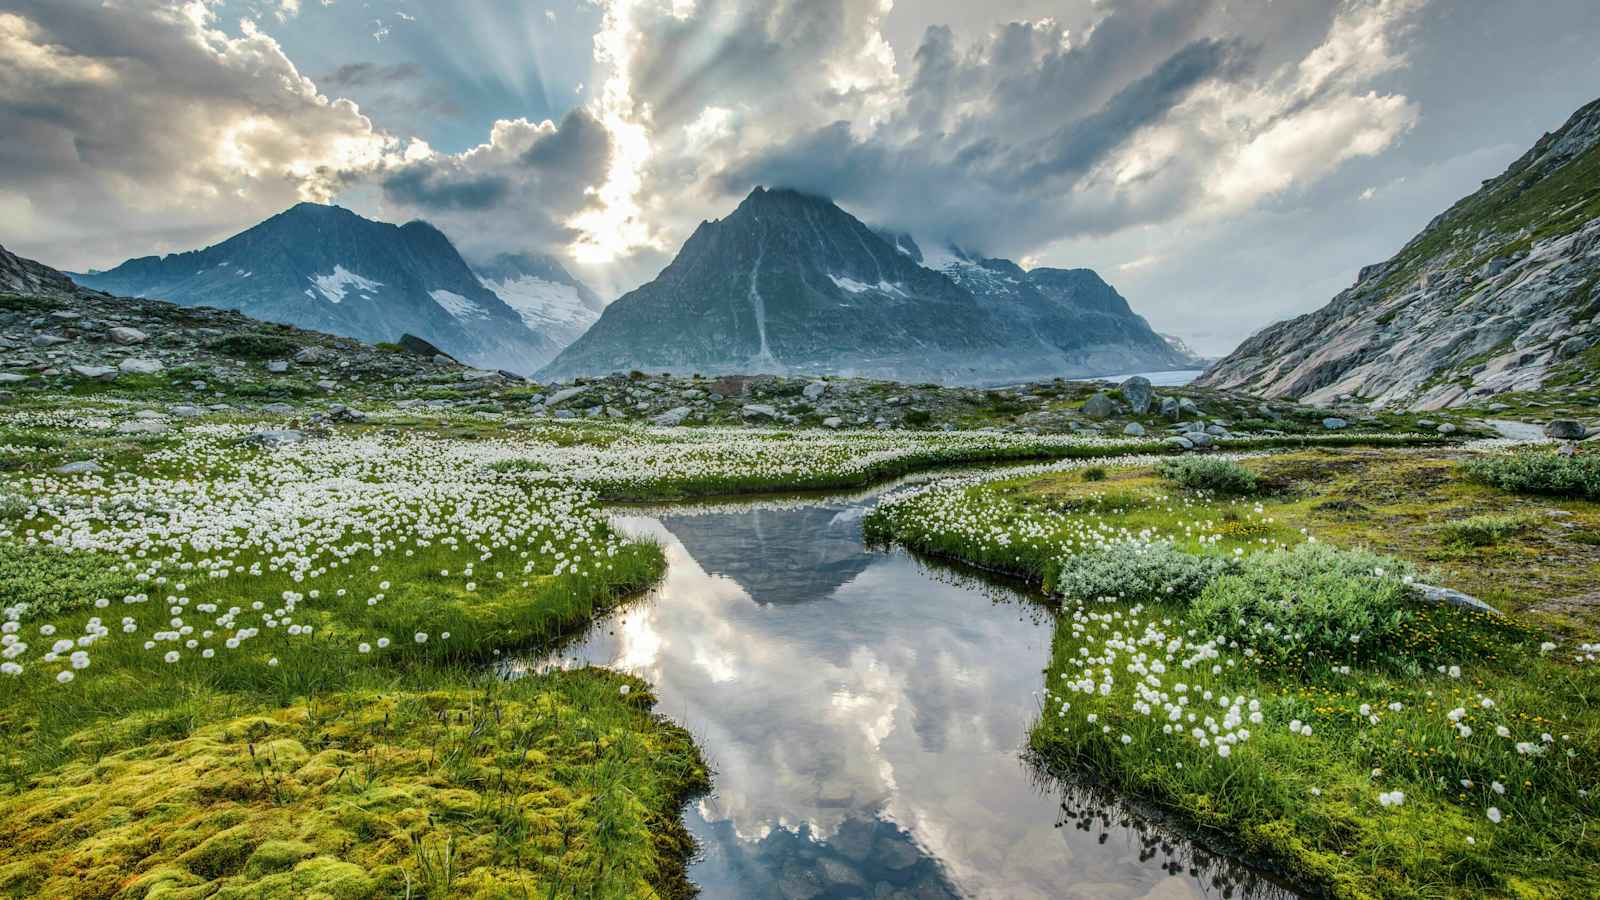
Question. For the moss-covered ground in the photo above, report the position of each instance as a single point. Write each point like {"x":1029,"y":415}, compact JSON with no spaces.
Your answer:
{"x":1455,"y":756}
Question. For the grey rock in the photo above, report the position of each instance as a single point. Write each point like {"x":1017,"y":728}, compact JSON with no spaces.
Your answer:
{"x":312,"y":355}
{"x":277,"y":366}
{"x":758,"y":411}
{"x":1334,"y":423}
{"x":832,"y":422}
{"x":479,"y":375}
{"x":1216,"y":431}
{"x":674,"y":416}
{"x":1171,"y":409}
{"x":1138,"y":392}
{"x":99,"y":373}
{"x":134,"y":366}
{"x":122,"y":334}
{"x":565,"y":394}
{"x":279,"y":409}
{"x":275,"y":438}
{"x":1199,"y":439}
{"x":1446,"y":428}
{"x":1448,"y":597}
{"x":185,"y":411}
{"x":82,"y":467}
{"x":1100,"y":406}
{"x":1134,"y":429}
{"x":815,"y":390}
{"x":48,"y":340}
{"x":1182,"y":443}
{"x":565,"y":414}
{"x":327,"y":385}
{"x":142,"y":426}
{"x":12,"y":378}
{"x":1565,"y":430}
{"x":1187,"y":407}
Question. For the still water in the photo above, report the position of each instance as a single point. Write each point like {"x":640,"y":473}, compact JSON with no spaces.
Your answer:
{"x":864,"y":715}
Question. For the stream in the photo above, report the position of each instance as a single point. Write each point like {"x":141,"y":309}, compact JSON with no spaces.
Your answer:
{"x":865,"y":714}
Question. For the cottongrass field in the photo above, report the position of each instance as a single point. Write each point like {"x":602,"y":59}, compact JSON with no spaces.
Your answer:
{"x":235,"y":670}
{"x":1291,"y":700}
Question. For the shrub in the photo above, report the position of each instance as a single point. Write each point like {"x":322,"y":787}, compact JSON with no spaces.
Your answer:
{"x":1209,"y":473}
{"x":254,"y":345}
{"x":918,"y":417}
{"x":1540,"y":472}
{"x":1094,"y":473}
{"x":1312,"y":601}
{"x":1138,"y":573}
{"x":1484,"y":531}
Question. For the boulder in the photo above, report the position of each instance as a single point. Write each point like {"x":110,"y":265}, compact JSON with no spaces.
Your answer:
{"x":674,"y":416}
{"x":413,"y":344}
{"x":12,"y":378}
{"x":758,"y":411}
{"x":833,"y":422}
{"x":815,"y":390}
{"x":134,"y":366}
{"x":1181,"y":443}
{"x":279,"y":409}
{"x":1334,"y":423}
{"x":1199,"y":439}
{"x":1565,"y":430}
{"x":185,"y":411}
{"x":1446,"y":428}
{"x":48,"y":340}
{"x":1187,"y":407}
{"x":311,"y":355}
{"x":142,"y":426}
{"x":278,"y":366}
{"x":479,"y":375}
{"x":82,"y":467}
{"x":275,"y":438}
{"x":564,"y":395}
{"x":99,"y":373}
{"x":1138,"y":392}
{"x":122,"y":334}
{"x":1134,"y":429}
{"x":1100,"y":406}
{"x":1447,"y":597}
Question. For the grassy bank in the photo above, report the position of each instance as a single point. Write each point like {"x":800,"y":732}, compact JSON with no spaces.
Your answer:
{"x":1290,"y":700}
{"x":236,"y":671}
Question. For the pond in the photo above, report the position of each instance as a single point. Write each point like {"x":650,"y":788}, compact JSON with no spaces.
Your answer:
{"x":865,"y":716}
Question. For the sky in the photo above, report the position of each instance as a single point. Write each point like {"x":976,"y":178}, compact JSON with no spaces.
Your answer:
{"x":1224,"y":163}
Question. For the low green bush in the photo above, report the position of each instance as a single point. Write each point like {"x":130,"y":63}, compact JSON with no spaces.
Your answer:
{"x":1314,"y":601}
{"x":1094,"y":473}
{"x":1137,"y":573}
{"x":254,"y":345}
{"x":1540,"y":472}
{"x":1485,"y":531}
{"x":48,"y":581}
{"x":1208,"y":473}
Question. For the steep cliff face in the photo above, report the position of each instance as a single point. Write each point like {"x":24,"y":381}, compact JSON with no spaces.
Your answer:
{"x":1497,"y":294}
{"x":790,"y":282}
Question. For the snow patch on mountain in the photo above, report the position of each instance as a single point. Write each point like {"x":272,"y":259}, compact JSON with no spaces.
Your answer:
{"x":457,"y":305}
{"x":335,"y":285}
{"x":543,"y":303}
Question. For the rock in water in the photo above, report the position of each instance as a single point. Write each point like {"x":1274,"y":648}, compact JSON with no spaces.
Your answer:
{"x":1138,"y":392}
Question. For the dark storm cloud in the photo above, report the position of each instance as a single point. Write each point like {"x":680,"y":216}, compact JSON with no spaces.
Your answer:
{"x":426,"y":187}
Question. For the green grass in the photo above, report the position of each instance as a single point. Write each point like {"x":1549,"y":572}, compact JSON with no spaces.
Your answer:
{"x":1379,"y":710}
{"x":1486,"y":530}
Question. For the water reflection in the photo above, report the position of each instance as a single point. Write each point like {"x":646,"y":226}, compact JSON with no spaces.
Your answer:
{"x":863,"y":715}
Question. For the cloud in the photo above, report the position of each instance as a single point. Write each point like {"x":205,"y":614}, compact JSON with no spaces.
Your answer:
{"x":1144,"y":112}
{"x":140,"y":125}
{"x":366,"y":74}
{"x":516,"y":191}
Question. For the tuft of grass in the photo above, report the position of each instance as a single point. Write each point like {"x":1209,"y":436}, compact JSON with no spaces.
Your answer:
{"x":1094,"y":473}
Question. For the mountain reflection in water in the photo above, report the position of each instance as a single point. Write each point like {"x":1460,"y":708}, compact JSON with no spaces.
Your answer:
{"x":864,"y":716}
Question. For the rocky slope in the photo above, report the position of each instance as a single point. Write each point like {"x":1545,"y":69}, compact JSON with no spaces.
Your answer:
{"x":791,"y":283}
{"x":1497,"y":295}
{"x":326,"y":268}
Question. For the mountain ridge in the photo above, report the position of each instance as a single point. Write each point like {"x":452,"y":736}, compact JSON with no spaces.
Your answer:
{"x":1497,"y":294}
{"x":789,"y":282}
{"x":330,"y":269}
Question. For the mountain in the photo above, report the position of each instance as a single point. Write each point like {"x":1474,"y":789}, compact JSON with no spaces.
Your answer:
{"x":1499,"y":293}
{"x":326,"y":268}
{"x":789,"y":282}
{"x":547,"y":297}
{"x":32,"y":279}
